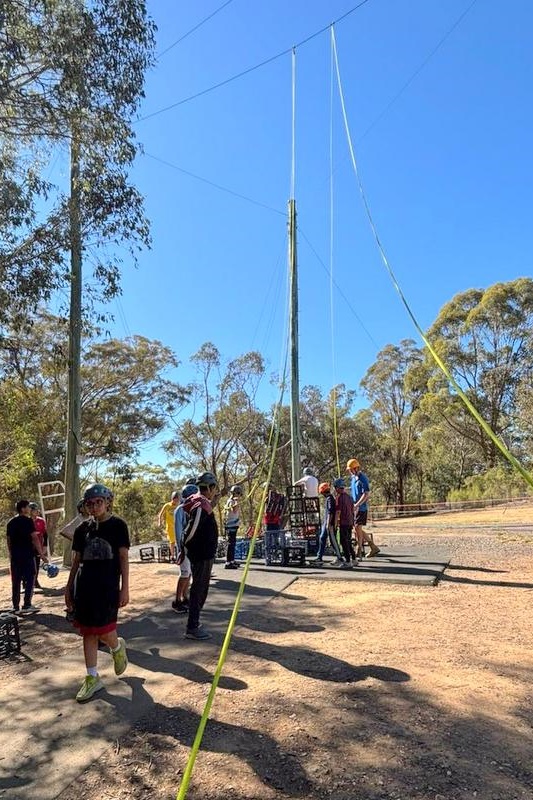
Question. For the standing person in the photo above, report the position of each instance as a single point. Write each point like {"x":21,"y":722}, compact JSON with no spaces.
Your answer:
{"x":40,"y":527}
{"x":166,"y":520}
{"x":232,"y":518}
{"x":22,"y":543}
{"x":98,"y":585}
{"x":360,"y":493}
{"x":328,"y":527}
{"x":181,"y":603}
{"x":67,"y":531}
{"x":344,"y":520}
{"x":275,"y":508}
{"x":200,"y":545}
{"x":309,"y":483}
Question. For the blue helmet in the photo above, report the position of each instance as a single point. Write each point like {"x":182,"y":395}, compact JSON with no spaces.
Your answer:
{"x":97,"y":490}
{"x":52,"y":570}
{"x":206,"y":479}
{"x":339,"y":483}
{"x":188,"y":490}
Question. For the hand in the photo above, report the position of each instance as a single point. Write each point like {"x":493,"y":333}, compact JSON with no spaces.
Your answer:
{"x":68,"y":600}
{"x":124,"y":597}
{"x":181,"y":557}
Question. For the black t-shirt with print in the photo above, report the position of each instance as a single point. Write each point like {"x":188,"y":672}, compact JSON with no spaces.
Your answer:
{"x":97,"y":584}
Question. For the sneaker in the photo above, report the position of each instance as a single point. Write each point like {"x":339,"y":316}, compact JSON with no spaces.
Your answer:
{"x":29,"y":609}
{"x":120,"y":657}
{"x":14,"y":610}
{"x":236,"y":564}
{"x":318,"y":562}
{"x":338,"y":562}
{"x":198,"y":633}
{"x":345,"y":565}
{"x":231,"y":565}
{"x":180,"y":608}
{"x":374,"y":551}
{"x":89,"y":687}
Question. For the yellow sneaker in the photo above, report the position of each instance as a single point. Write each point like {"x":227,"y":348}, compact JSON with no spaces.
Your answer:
{"x":89,"y":687}
{"x":120,"y":657}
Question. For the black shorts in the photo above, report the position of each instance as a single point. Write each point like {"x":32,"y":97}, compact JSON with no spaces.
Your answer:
{"x":361,"y":517}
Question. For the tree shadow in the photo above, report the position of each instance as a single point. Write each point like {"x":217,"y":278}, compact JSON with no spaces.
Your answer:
{"x":473,"y":581}
{"x":476,"y":569}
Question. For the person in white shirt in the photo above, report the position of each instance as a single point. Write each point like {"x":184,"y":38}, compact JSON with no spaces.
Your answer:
{"x":309,"y":483}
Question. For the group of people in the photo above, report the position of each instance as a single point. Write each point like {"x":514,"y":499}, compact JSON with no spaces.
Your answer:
{"x":26,"y":542}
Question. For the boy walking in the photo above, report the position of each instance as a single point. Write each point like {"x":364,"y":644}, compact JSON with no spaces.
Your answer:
{"x":98,"y":585}
{"x":328,"y":527}
{"x":344,"y":519}
{"x":200,"y":545}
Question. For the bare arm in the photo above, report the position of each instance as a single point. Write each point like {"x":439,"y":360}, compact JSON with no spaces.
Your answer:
{"x":160,"y":517}
{"x":124,"y":597}
{"x":361,"y":500}
{"x":38,"y":546}
{"x":69,"y":599}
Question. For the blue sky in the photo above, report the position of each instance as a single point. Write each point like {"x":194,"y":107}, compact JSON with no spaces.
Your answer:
{"x":447,"y":171}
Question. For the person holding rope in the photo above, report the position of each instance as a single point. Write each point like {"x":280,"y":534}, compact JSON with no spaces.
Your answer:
{"x":98,"y":585}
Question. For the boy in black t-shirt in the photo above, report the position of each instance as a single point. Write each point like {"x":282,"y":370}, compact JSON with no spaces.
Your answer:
{"x":23,"y":544}
{"x":98,"y":584}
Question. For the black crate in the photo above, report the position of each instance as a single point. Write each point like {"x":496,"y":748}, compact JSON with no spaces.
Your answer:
{"x":164,"y":553}
{"x":147,"y":553}
{"x":9,"y":635}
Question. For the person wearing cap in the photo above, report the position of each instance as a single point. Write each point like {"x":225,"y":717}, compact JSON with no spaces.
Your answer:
{"x":98,"y":585}
{"x":181,"y":604}
{"x":309,"y":483}
{"x":40,"y":527}
{"x":166,"y":519}
{"x":360,"y":492}
{"x":344,"y":519}
{"x":232,"y":514}
{"x":200,"y":545}
{"x":328,"y":527}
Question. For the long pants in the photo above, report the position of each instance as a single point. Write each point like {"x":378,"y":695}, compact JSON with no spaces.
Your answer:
{"x":328,"y":530}
{"x":22,"y":571}
{"x":345,"y":535}
{"x":201,"y":573}
{"x":231,"y":533}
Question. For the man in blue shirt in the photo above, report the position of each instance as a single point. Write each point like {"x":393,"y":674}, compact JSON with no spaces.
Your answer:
{"x":360,"y":493}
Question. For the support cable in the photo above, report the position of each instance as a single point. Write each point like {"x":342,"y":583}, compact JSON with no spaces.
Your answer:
{"x":440,"y":363}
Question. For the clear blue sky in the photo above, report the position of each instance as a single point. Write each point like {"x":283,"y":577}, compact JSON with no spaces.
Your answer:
{"x":447,"y":170}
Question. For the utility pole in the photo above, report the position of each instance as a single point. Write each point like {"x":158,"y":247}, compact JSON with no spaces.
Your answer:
{"x":295,"y":372}
{"x":72,"y":467}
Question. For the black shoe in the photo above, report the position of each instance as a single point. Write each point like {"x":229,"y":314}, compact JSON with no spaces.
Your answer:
{"x":231,"y":565}
{"x":180,"y":608}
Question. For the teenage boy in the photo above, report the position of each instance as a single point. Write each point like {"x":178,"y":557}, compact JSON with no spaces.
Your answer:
{"x":360,"y":493}
{"x":166,"y":520}
{"x":200,"y":545}
{"x":98,"y":585}
{"x":344,"y":520}
{"x":40,"y":526}
{"x":22,"y":544}
{"x":328,"y":527}
{"x":181,"y":603}
{"x":232,"y":518}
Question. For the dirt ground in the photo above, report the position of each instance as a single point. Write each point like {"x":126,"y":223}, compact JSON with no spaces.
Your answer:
{"x":348,"y":689}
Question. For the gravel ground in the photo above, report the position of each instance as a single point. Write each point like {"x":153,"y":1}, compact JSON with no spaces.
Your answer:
{"x":359,"y":690}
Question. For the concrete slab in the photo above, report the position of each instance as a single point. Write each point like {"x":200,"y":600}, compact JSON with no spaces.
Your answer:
{"x":47,"y":739}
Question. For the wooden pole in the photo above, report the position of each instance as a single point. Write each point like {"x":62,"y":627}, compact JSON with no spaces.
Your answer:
{"x":295,"y":377}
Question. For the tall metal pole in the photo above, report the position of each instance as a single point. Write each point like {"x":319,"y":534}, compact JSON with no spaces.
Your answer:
{"x":295,"y":373}
{"x":72,"y":467}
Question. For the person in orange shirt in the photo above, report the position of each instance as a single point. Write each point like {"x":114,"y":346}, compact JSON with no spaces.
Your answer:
{"x":40,"y":528}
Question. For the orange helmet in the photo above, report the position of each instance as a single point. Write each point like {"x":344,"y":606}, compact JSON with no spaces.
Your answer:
{"x":323,"y":488}
{"x":353,"y":463}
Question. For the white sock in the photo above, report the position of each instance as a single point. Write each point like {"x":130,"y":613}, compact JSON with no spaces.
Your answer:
{"x":92,"y":671}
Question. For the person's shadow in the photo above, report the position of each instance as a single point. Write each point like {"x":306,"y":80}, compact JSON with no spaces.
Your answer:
{"x":277,"y":769}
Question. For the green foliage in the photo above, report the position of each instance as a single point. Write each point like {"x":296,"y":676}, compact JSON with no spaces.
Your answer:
{"x":139,"y":498}
{"x":497,"y":483}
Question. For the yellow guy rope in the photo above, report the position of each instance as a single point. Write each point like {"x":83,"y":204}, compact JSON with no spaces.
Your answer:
{"x":274,"y":437}
{"x":472,"y":409}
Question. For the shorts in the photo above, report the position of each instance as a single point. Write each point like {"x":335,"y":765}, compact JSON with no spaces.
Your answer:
{"x":185,"y":568}
{"x":361,"y":517}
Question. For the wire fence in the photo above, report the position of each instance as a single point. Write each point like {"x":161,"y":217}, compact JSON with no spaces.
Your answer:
{"x":395,"y":511}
